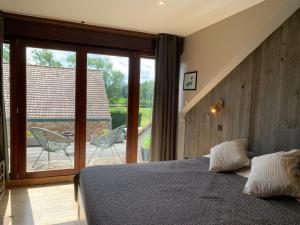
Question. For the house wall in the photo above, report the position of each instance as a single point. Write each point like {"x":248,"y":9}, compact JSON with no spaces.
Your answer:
{"x":216,"y":50}
{"x":261,"y":99}
{"x":93,"y":128}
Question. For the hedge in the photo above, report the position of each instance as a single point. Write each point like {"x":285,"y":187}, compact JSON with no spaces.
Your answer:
{"x":119,"y":116}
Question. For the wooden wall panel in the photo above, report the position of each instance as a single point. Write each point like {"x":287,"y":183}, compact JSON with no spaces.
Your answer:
{"x":235,"y":91}
{"x":261,"y":96}
{"x":277,"y":114}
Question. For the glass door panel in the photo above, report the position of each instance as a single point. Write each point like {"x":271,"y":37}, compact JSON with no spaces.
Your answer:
{"x":6,"y":92}
{"x":147,"y":78}
{"x":50,"y":109}
{"x":107,"y":101}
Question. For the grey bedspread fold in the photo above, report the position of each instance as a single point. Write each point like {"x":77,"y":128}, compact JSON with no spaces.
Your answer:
{"x":176,"y":193}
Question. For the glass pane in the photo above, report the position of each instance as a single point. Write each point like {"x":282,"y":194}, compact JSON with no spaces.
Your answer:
{"x":107,"y":98}
{"x":6,"y":91}
{"x":50,"y":90}
{"x":147,"y":78}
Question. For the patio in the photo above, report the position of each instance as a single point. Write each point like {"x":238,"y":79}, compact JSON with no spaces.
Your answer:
{"x":61,"y":161}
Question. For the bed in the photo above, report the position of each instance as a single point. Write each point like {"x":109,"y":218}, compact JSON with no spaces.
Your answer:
{"x":179,"y":192}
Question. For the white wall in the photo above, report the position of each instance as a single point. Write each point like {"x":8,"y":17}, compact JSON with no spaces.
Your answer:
{"x":216,"y":50}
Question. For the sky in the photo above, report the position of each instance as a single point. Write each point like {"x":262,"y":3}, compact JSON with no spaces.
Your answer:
{"x":119,"y":63}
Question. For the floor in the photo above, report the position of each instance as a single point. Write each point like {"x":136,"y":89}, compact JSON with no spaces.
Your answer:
{"x":39,"y":205}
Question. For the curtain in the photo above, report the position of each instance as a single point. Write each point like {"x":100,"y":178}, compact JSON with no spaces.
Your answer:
{"x":3,"y":131}
{"x":165,"y":104}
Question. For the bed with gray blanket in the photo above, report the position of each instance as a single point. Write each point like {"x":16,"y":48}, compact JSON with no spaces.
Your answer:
{"x":176,"y":192}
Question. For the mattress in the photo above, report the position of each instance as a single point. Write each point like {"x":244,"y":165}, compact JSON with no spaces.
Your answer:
{"x":179,"y":192}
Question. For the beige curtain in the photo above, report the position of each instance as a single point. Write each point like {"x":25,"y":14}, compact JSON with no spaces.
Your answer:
{"x":165,"y":106}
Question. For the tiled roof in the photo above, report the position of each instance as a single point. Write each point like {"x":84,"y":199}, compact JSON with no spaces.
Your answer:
{"x":51,"y":93}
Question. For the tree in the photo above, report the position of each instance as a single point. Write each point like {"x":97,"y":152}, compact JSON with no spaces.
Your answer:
{"x":44,"y":57}
{"x":146,"y":93}
{"x":71,"y":60}
{"x":114,"y":89}
{"x":113,"y":79}
{"x":5,"y":53}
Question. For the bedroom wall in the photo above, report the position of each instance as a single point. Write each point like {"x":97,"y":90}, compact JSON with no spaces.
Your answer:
{"x":222,"y":46}
{"x":216,"y":50}
{"x":262,"y":99}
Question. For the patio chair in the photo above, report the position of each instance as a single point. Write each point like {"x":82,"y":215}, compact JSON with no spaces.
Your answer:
{"x":108,"y":141}
{"x":50,"y":142}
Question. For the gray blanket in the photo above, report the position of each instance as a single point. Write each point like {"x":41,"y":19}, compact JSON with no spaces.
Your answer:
{"x":177,"y":192}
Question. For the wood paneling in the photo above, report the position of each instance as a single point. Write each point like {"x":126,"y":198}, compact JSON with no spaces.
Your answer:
{"x":262,"y":99}
{"x":235,"y":91}
{"x":277,"y":106}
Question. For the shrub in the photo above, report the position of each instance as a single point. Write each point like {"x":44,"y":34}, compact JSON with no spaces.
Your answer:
{"x":119,"y":116}
{"x":146,"y":116}
{"x":146,"y":143}
{"x":121,"y":101}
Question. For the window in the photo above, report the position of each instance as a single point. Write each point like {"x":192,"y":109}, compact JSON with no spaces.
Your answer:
{"x":147,"y":78}
{"x":106,"y":114}
{"x":50,"y":109}
{"x":6,"y":91}
{"x":78,"y":108}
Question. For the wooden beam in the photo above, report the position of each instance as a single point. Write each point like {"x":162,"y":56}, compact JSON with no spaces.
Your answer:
{"x":76,"y":33}
{"x":133,"y":109}
{"x":81,"y":107}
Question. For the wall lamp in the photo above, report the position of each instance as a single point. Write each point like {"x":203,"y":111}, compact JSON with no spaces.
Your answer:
{"x":216,"y":107}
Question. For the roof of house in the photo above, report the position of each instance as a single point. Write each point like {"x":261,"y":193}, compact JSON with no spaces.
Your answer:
{"x":51,"y":93}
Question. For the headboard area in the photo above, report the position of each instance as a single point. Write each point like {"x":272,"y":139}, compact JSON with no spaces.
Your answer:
{"x":261,"y":99}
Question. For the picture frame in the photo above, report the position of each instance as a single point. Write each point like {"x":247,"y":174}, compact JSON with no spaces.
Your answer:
{"x":190,"y":81}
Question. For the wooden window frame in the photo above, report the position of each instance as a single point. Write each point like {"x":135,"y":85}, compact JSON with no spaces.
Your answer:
{"x":18,"y":99}
{"x":22,"y":31}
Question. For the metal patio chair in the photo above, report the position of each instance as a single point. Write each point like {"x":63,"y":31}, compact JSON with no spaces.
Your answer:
{"x":50,"y":142}
{"x":108,"y":141}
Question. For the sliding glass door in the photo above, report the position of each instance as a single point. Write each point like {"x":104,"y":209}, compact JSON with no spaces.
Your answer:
{"x":50,"y":109}
{"x":106,"y":112}
{"x":76,"y":106}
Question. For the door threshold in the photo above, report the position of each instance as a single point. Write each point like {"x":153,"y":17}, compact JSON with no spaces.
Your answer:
{"x":39,"y":181}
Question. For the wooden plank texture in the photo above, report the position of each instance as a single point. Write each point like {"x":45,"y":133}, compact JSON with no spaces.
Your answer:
{"x":261,"y":96}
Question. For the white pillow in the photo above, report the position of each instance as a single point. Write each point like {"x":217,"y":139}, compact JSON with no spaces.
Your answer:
{"x":274,"y":175}
{"x":228,"y":156}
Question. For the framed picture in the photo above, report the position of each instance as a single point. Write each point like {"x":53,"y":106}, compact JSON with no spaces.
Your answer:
{"x":190,"y":81}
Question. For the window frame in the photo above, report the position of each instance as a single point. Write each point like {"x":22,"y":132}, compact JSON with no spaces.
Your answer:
{"x":18,"y":103}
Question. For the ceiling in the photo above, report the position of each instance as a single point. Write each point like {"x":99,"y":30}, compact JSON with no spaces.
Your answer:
{"x":181,"y":17}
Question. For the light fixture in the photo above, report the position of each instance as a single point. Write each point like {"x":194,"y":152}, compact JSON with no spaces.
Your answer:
{"x":161,"y":2}
{"x":216,"y":107}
